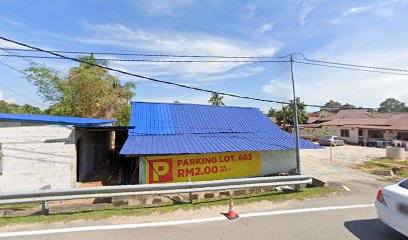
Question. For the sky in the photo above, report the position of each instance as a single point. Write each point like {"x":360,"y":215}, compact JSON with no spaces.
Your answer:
{"x":358,"y":32}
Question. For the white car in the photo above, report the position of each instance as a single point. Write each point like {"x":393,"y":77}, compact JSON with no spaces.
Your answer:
{"x":392,"y":206}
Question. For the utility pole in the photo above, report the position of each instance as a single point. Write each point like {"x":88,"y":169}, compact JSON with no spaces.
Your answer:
{"x":295,"y":122}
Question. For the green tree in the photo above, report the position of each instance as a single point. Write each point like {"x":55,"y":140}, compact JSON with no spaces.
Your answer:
{"x":216,"y":99}
{"x":347,"y":106}
{"x":332,"y":104}
{"x":3,"y":106}
{"x":271,"y":112}
{"x":30,"y":109}
{"x":392,"y":105}
{"x":15,"y":108}
{"x":87,"y":91}
{"x":286,"y":114}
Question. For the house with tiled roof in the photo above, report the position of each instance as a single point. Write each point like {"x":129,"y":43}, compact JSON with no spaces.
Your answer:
{"x":361,"y":126}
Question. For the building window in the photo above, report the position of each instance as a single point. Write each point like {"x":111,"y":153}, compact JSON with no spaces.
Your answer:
{"x":360,"y":132}
{"x":375,"y":134}
{"x":402,"y":135}
{"x":345,"y":133}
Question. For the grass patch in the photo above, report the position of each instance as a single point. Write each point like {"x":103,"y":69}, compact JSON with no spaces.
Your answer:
{"x":399,"y":167}
{"x":20,"y":207}
{"x":275,"y":196}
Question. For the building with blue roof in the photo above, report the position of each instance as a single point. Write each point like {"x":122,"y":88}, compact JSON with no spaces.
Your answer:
{"x":41,"y":150}
{"x":176,"y":142}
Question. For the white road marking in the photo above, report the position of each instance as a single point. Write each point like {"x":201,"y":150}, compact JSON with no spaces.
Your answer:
{"x":347,"y":188}
{"x":172,"y":223}
{"x":303,"y":210}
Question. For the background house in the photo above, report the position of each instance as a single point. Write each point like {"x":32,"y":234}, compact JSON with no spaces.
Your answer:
{"x":41,"y":150}
{"x":182,"y":142}
{"x":361,"y":126}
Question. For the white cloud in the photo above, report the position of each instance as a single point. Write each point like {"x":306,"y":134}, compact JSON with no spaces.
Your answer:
{"x":162,"y":7}
{"x":279,"y":88}
{"x":5,"y":44}
{"x":307,"y":8}
{"x":9,"y":100}
{"x":385,"y":9}
{"x":187,"y":98}
{"x":181,"y":43}
{"x":356,"y":10}
{"x":266,"y":28}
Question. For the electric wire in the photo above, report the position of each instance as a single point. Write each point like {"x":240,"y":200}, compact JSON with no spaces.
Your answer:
{"x":36,"y":63}
{"x":149,"y":78}
{"x":142,"y":54}
{"x":155,"y":61}
{"x":351,"y":65}
{"x":350,"y":68}
{"x":214,"y":56}
{"x":16,"y":92}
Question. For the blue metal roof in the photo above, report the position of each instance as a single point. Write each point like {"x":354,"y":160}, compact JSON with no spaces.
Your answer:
{"x":211,"y":143}
{"x":170,"y":128}
{"x":174,"y":118}
{"x":53,"y":119}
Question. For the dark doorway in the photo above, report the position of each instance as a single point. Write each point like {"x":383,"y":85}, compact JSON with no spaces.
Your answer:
{"x":79,"y":159}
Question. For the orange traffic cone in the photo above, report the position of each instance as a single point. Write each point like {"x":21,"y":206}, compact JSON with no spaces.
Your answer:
{"x":231,"y":213}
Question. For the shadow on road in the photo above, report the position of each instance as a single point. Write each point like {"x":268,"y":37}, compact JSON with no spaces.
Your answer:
{"x":372,"y":229}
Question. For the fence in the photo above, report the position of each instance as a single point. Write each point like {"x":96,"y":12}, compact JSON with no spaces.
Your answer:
{"x":48,"y":195}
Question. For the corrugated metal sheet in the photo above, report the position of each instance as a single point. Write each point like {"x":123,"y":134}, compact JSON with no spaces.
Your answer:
{"x":163,"y":128}
{"x":210,"y":143}
{"x":165,"y":118}
{"x":53,"y":119}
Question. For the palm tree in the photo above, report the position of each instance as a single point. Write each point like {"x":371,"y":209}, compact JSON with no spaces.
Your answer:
{"x":216,"y":99}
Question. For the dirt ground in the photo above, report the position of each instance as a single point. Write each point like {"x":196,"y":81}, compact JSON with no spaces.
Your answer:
{"x":338,"y":168}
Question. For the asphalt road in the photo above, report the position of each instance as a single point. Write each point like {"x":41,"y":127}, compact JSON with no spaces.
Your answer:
{"x":353,"y":223}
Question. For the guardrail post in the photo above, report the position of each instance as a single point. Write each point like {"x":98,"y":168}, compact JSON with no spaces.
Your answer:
{"x":190,"y":194}
{"x":45,"y":208}
{"x":297,"y":187}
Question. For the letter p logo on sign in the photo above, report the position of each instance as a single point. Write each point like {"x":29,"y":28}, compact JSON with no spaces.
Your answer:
{"x":161,"y":170}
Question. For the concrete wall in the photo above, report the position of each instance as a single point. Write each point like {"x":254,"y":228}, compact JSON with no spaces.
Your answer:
{"x":336,"y":131}
{"x":272,"y":162}
{"x":35,"y":155}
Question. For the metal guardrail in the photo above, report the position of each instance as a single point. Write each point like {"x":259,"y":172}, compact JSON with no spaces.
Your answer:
{"x":49,"y":195}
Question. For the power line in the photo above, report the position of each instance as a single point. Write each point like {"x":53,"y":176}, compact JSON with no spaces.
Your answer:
{"x":337,"y":65}
{"x":36,"y":63}
{"x":350,"y":68}
{"x":155,"y":61}
{"x":351,"y":65}
{"x":209,"y":56}
{"x":141,"y":54}
{"x":14,"y":91}
{"x":149,"y":78}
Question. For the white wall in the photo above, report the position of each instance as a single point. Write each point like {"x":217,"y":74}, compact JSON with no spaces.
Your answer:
{"x":273,"y":162}
{"x":35,"y":155}
{"x":336,"y":130}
